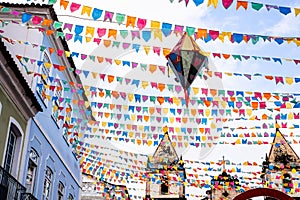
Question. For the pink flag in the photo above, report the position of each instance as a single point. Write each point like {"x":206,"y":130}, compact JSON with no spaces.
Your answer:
{"x":227,"y":3}
{"x":74,"y":7}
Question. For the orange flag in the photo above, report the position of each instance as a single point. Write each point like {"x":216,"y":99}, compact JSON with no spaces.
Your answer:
{"x":243,"y":4}
{"x":64,"y":4}
{"x":130,"y":21}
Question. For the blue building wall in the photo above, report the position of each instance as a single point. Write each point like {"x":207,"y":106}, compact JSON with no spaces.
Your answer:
{"x":46,"y":138}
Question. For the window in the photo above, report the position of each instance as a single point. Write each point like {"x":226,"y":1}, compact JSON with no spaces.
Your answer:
{"x":45,"y":73}
{"x":10,"y":151}
{"x":70,"y":197}
{"x":61,"y":189}
{"x":164,"y":185}
{"x":31,"y":171}
{"x":47,"y":183}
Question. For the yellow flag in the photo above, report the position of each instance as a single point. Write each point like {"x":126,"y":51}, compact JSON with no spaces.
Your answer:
{"x":130,"y":97}
{"x":131,"y":134}
{"x":147,"y":49}
{"x":297,"y":11}
{"x":158,"y":34}
{"x":171,"y":119}
{"x":88,"y":39}
{"x":212,"y":2}
{"x":94,"y":74}
{"x":87,"y":10}
{"x":67,"y":53}
{"x":90,"y":30}
{"x":195,"y":90}
{"x":207,"y":112}
{"x":221,"y":37}
{"x":224,"y":104}
{"x":118,"y":62}
{"x":133,"y":117}
{"x":166,"y":51}
{"x":249,"y":112}
{"x":165,"y":111}
{"x":145,"y":84}
{"x":47,"y":65}
{"x":290,"y":116}
{"x":155,"y":25}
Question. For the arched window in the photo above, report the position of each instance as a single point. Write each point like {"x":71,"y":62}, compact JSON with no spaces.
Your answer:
{"x":70,"y":197}
{"x":164,"y":185}
{"x":61,"y":190}
{"x":31,"y":171}
{"x":48,"y":183}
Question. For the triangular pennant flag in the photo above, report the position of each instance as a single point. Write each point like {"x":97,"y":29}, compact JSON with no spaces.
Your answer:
{"x":284,"y":10}
{"x":212,"y":2}
{"x":120,"y":18}
{"x":227,"y":3}
{"x":74,"y":7}
{"x":166,"y":29}
{"x":141,"y":23}
{"x":64,"y":4}
{"x":256,"y":6}
{"x":86,"y":10}
{"x":198,"y":2}
{"x":146,"y":35}
{"x":96,"y":14}
{"x":26,"y":17}
{"x":243,"y":4}
{"x":124,"y":33}
{"x":297,"y":11}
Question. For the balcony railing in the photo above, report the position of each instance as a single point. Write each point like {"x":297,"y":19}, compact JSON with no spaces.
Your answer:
{"x":28,"y":196}
{"x":11,"y":189}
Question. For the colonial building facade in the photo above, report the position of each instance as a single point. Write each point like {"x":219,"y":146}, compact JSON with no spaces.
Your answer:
{"x":17,"y":105}
{"x":48,"y":169}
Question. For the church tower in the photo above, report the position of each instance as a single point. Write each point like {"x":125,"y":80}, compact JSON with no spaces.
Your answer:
{"x":224,"y":186}
{"x":166,"y":173}
{"x":281,"y":167}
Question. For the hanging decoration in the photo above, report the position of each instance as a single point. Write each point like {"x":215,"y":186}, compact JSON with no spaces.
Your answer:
{"x":246,"y":4}
{"x":204,"y":34}
{"x":186,"y":60}
{"x":127,"y":122}
{"x":143,"y":66}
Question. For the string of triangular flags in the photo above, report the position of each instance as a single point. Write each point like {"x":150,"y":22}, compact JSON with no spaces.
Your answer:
{"x":181,"y":139}
{"x":106,"y":172}
{"x":99,"y":188}
{"x":109,"y":78}
{"x":246,"y":4}
{"x":151,"y":67}
{"x":142,"y":175}
{"x":141,"y":23}
{"x":165,"y":29}
{"x":207,"y":143}
{"x":200,"y":115}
